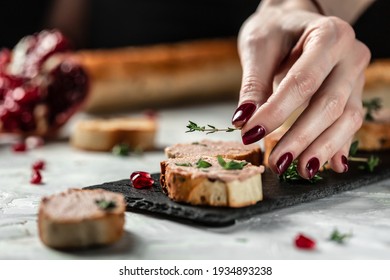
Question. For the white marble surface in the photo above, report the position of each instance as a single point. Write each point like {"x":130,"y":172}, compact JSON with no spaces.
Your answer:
{"x":364,"y":211}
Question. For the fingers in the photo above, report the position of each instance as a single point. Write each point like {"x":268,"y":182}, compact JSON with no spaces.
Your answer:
{"x":331,"y":140}
{"x":330,"y":144}
{"x":261,"y":50}
{"x":323,"y":48}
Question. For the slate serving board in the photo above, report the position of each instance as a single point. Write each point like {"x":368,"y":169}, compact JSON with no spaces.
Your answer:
{"x":276,"y":195}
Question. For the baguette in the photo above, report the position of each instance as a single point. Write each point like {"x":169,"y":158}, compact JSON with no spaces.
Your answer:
{"x":228,"y":149}
{"x":212,"y":186}
{"x":159,"y":75}
{"x":73,"y":219}
{"x":104,"y":134}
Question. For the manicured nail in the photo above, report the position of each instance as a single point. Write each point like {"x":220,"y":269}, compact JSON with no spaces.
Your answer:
{"x":253,"y":135}
{"x":312,"y":167}
{"x":284,"y":162}
{"x":243,"y":114}
{"x":344,"y":160}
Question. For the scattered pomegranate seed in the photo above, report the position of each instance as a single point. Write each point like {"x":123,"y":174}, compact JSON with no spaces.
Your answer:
{"x":19,"y":147}
{"x":141,"y":179}
{"x":304,"y":242}
{"x":36,"y":178}
{"x":38,"y":165}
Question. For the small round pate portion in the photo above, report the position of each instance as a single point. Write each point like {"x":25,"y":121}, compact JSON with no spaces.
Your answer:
{"x":185,"y":180}
{"x":81,"y":218}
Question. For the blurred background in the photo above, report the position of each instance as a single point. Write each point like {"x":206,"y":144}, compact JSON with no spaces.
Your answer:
{"x":109,"y":24}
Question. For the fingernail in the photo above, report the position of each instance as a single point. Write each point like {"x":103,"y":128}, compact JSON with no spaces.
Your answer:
{"x":344,"y":160}
{"x":312,"y":167}
{"x":284,"y":162}
{"x":243,"y":114}
{"x":253,"y":135}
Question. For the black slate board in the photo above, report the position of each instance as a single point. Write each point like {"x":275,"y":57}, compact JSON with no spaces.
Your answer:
{"x":276,"y":195}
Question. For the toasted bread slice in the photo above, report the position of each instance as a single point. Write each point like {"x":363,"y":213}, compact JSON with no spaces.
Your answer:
{"x":228,"y":149}
{"x":104,"y":134}
{"x":76,"y":218}
{"x":183,"y":181}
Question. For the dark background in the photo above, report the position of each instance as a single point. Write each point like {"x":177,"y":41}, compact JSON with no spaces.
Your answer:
{"x":140,"y":22}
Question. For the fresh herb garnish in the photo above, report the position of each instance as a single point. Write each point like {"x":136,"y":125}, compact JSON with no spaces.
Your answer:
{"x":372,"y":106}
{"x":203,"y":164}
{"x":339,"y":237}
{"x":121,"y":150}
{"x":186,"y":164}
{"x":231,"y":165}
{"x":291,"y":175}
{"x":106,"y":205}
{"x":369,"y":164}
{"x":209,"y":129}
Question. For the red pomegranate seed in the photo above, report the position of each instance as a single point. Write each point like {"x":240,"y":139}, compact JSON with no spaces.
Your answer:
{"x":304,"y":242}
{"x":141,"y":179}
{"x":19,"y":147}
{"x":36,"y":178}
{"x":38,"y":165}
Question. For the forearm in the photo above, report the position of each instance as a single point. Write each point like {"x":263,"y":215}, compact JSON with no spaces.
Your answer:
{"x":348,"y":10}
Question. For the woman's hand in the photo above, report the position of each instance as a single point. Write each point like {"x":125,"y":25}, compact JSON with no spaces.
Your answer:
{"x":315,"y":63}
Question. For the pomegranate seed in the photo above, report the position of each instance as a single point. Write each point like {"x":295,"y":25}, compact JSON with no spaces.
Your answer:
{"x":19,"y":147}
{"x":38,"y":165}
{"x":141,"y":180}
{"x":36,"y":178}
{"x":304,"y":242}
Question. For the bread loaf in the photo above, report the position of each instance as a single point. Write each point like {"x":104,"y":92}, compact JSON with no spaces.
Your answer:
{"x":153,"y":76}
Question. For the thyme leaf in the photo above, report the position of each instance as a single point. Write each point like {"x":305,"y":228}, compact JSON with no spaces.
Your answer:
{"x":339,"y":237}
{"x":231,"y":165}
{"x":372,"y":106}
{"x":203,"y":164}
{"x":106,"y":205}
{"x":186,"y":164}
{"x":291,"y":175}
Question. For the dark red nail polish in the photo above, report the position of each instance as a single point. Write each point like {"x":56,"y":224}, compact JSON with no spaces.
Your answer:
{"x":344,"y":160}
{"x":253,"y":135}
{"x":243,"y":114}
{"x":284,"y":162}
{"x":312,"y":167}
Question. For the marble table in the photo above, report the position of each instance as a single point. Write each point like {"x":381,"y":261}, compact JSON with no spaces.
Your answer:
{"x":365,"y":211}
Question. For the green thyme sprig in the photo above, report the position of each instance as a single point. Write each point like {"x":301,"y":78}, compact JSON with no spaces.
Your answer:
{"x":231,"y":165}
{"x":106,"y":205}
{"x":208,"y":129}
{"x":291,"y":175}
{"x":368,"y":164}
{"x":339,"y":237}
{"x":372,"y":106}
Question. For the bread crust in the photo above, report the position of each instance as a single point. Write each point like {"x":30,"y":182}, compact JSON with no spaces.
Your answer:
{"x":103,"y":135}
{"x":85,"y":227}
